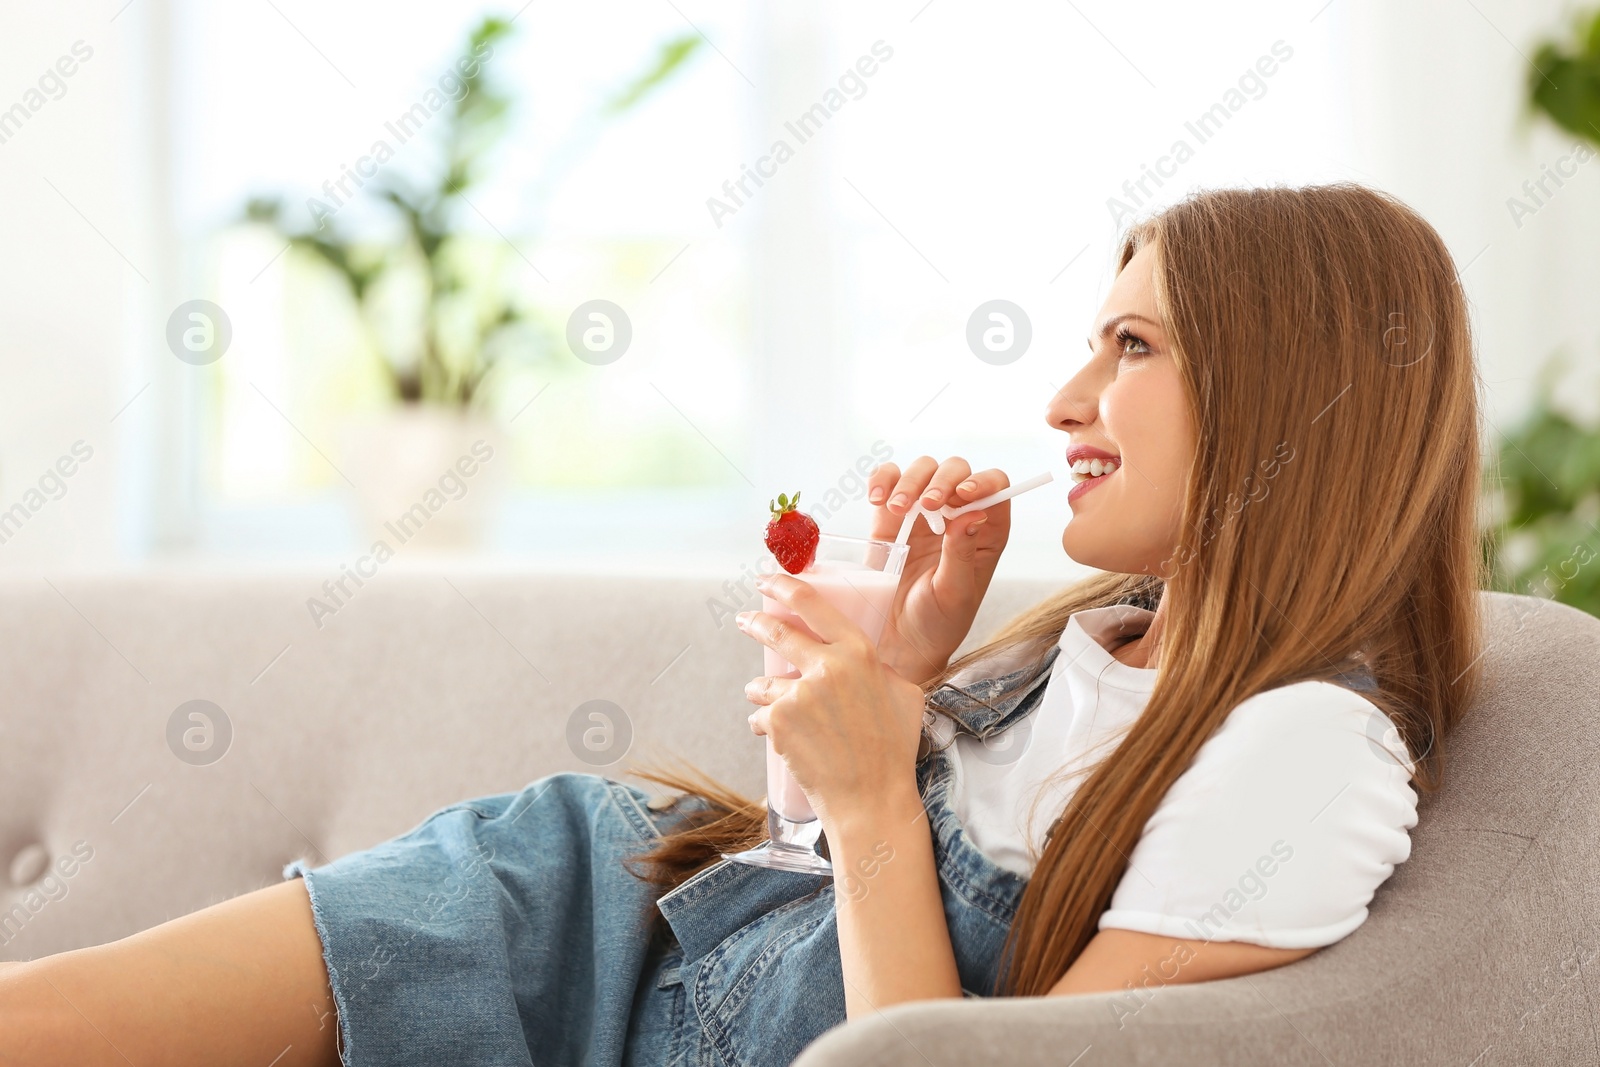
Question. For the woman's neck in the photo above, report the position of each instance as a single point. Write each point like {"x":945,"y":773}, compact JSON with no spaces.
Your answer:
{"x":1144,"y":651}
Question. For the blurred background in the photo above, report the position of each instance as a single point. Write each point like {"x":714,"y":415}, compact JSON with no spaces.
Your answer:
{"x":275,"y":267}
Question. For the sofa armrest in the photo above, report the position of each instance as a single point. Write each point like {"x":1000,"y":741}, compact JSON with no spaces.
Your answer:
{"x":1213,"y":1022}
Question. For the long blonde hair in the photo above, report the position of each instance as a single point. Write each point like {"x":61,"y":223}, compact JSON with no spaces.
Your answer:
{"x":1330,"y":523}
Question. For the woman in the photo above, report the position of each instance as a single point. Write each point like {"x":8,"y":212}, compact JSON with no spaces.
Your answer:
{"x":1197,"y":765}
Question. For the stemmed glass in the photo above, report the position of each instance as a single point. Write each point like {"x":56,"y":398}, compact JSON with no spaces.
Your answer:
{"x":858,"y":576}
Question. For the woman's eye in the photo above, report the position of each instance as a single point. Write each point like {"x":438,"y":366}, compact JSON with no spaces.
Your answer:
{"x":1131,"y":345}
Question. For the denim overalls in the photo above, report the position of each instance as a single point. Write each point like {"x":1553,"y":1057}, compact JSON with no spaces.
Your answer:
{"x":505,"y":930}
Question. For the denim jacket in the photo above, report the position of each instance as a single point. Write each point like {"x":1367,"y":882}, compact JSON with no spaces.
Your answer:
{"x":760,"y":950}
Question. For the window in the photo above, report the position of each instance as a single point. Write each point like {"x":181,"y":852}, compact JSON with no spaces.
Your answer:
{"x":789,"y":309}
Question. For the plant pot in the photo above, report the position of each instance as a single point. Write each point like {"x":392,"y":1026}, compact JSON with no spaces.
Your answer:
{"x":427,"y":478}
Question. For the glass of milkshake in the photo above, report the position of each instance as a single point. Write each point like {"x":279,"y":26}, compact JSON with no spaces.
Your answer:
{"x":858,"y":576}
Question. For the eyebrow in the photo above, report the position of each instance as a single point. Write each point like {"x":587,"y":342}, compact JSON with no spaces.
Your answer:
{"x":1112,"y":323}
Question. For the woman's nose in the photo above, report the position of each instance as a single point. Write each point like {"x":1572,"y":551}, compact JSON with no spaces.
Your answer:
{"x":1073,"y":406}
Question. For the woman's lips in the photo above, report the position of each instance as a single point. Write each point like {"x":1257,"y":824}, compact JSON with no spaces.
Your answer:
{"x":1087,"y":484}
{"x":1077,"y":452}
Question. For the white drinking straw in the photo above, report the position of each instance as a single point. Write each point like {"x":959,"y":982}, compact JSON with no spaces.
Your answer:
{"x":937,"y":519}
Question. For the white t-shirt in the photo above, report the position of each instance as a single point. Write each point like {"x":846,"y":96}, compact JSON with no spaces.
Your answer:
{"x":1292,"y":814}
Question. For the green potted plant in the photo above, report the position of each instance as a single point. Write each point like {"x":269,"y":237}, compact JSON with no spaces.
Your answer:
{"x":1544,"y":538}
{"x":437,"y":302}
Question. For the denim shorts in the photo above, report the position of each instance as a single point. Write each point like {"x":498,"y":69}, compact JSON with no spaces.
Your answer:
{"x":505,"y":930}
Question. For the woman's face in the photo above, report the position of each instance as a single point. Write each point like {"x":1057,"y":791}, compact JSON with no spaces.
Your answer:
{"x":1127,"y":406}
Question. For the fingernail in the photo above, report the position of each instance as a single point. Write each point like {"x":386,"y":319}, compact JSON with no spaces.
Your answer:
{"x":898,"y":500}
{"x":763,"y":582}
{"x":876,"y":496}
{"x":743,"y":619}
{"x":967,"y":487}
{"x":935,"y":495}
{"x":972,"y":528}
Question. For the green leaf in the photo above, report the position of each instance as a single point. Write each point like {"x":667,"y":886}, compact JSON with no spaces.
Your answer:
{"x":1548,"y":469}
{"x":1564,"y":82}
{"x":669,"y":58}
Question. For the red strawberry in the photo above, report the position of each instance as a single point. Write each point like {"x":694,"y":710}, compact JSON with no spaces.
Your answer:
{"x":792,"y":535}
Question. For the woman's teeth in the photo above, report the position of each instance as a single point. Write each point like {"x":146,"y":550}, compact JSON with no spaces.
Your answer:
{"x":1084,"y":469}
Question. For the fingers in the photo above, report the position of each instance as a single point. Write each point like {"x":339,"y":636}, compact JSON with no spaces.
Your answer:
{"x":980,"y":485}
{"x":893,"y":494}
{"x":780,"y":635}
{"x":898,"y":491}
{"x":880,"y":481}
{"x":911,"y":484}
{"x":941,"y":487}
{"x":760,"y":720}
{"x":934,"y":485}
{"x":976,"y":488}
{"x":937,"y":484}
{"x":885,"y":523}
{"x":767,"y":690}
{"x":828,"y":623}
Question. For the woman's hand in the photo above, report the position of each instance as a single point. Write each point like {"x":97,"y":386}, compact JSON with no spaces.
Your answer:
{"x":945,"y":577}
{"x":849,"y":726}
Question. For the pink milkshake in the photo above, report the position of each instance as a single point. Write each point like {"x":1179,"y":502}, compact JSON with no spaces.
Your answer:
{"x":858,"y":576}
{"x":865,"y":596}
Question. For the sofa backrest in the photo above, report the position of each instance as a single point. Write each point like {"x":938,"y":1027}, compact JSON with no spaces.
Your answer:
{"x":174,"y":739}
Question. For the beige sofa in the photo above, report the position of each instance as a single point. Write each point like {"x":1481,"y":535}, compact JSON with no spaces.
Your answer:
{"x":124,"y":803}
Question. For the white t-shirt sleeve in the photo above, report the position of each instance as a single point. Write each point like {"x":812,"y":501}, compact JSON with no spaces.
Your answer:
{"x":1290,"y":817}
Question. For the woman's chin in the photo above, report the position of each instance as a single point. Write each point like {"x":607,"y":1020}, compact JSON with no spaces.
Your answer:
{"x":1080,"y":550}
{"x":1093,"y":552}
